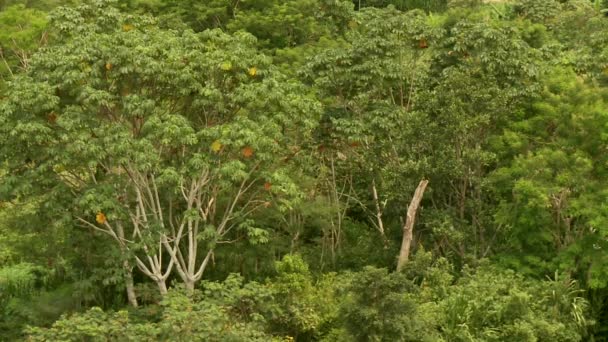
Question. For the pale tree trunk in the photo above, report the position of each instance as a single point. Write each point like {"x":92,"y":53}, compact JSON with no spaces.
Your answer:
{"x":128,"y":270}
{"x":148,"y":210}
{"x":178,"y":236}
{"x":200,"y":196}
{"x":131,"y":296}
{"x":408,"y":228}
{"x":162,"y":286}
{"x":380,"y":224}
{"x":151,"y":264}
{"x":154,"y":268}
{"x":336,"y":193}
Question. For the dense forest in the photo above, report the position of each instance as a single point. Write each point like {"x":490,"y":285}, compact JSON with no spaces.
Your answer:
{"x":304,"y":170}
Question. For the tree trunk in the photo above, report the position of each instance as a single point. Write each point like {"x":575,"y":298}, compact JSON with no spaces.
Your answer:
{"x":189,"y":284}
{"x":408,"y":228}
{"x":128,"y":270}
{"x":129,"y":283}
{"x":379,"y":209}
{"x":162,"y":287}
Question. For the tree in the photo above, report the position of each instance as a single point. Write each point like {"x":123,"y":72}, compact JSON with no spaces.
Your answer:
{"x":369,"y":85}
{"x":219,"y":314}
{"x":408,"y":228}
{"x":164,"y":139}
{"x":550,"y":181}
{"x":22,"y":31}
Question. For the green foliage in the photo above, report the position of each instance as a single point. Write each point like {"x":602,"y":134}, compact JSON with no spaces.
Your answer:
{"x":485,"y":304}
{"x":43,"y":5}
{"x":423,"y":303}
{"x":491,"y":306}
{"x":22,"y":31}
{"x":223,"y":312}
{"x":129,"y":100}
{"x":17,"y":282}
{"x":405,"y":5}
{"x":146,"y":143}
{"x":554,"y":187}
{"x":94,"y":325}
{"x":383,"y":307}
{"x":304,"y":308}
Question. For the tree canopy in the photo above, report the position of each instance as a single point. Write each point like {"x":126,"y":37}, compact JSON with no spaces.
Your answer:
{"x":255,"y":170}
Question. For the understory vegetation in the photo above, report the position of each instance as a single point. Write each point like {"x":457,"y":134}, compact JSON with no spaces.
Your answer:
{"x":304,"y":170}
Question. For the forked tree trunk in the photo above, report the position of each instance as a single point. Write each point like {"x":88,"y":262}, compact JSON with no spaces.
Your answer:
{"x":408,"y":228}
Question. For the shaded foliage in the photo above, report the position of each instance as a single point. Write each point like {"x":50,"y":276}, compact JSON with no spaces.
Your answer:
{"x":150,"y":149}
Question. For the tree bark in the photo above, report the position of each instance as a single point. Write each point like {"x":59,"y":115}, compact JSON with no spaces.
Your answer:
{"x":380,"y":223}
{"x":128,"y":270}
{"x":162,"y":287}
{"x":129,"y":283}
{"x":408,"y":228}
{"x":189,"y":286}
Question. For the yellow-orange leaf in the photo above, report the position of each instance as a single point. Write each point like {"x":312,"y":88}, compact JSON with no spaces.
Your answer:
{"x":267,"y":186}
{"x":226,"y":66}
{"x":127,"y":27}
{"x":108,"y":66}
{"x":247,"y":152}
{"x":216,"y":146}
{"x":100,"y":218}
{"x":252,"y":71}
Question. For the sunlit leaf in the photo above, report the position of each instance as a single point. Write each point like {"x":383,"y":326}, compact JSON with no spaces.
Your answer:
{"x":216,"y":146}
{"x":226,"y":66}
{"x":100,"y":218}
